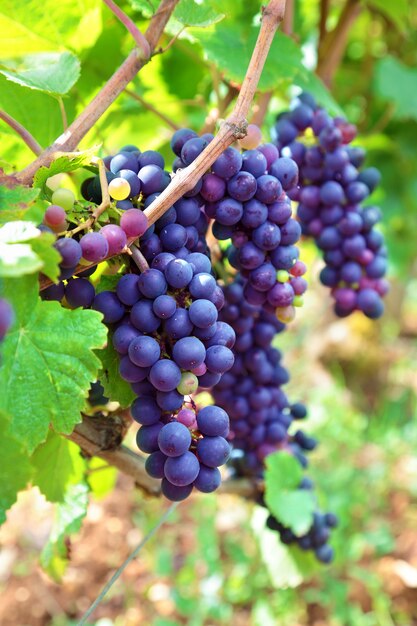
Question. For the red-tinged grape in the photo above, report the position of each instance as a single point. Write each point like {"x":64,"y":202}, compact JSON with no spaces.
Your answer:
{"x":134,"y":222}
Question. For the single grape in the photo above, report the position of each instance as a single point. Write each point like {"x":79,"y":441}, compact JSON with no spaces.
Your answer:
{"x":134,"y":222}
{"x":94,"y":247}
{"x":64,"y":198}
{"x":174,"y":439}
{"x":182,"y":470}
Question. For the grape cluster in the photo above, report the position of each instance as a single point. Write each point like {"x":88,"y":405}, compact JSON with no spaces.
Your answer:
{"x":245,"y":195}
{"x":171,"y":343}
{"x":260,"y":412}
{"x":331,"y":192}
{"x":6,"y":317}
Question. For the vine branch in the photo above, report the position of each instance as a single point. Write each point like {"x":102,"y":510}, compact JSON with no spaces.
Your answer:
{"x":29,"y":140}
{"x":140,"y":40}
{"x":233,"y":128}
{"x":95,"y":438}
{"x":70,"y":139}
{"x":334,"y":43}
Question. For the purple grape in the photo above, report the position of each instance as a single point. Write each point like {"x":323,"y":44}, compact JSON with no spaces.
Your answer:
{"x":124,"y":161}
{"x":53,"y":292}
{"x":164,"y":306}
{"x":219,"y":359}
{"x":182,"y":470}
{"x":187,"y":211}
{"x":242,"y":186}
{"x":174,"y":439}
{"x":134,"y":183}
{"x":70,"y":251}
{"x":145,"y":411}
{"x":213,"y":187}
{"x":179,"y":324}
{"x":127,"y":289}
{"x":208,"y":479}
{"x":143,"y":317}
{"x":213,"y":421}
{"x":202,"y":313}
{"x":79,"y":292}
{"x":115,"y":237}
{"x":131,"y":372}
{"x":109,"y":305}
{"x":213,"y":451}
{"x":286,"y":171}
{"x":123,"y":336}
{"x":151,"y":157}
{"x":174,"y":493}
{"x":7,"y":317}
{"x":178,"y":273}
{"x":165,"y":375}
{"x":267,"y":236}
{"x":179,"y":138}
{"x":152,"y":283}
{"x":228,"y":212}
{"x":227,"y":164}
{"x":144,"y":351}
{"x":154,"y":464}
{"x":94,"y":247}
{"x":169,"y":400}
{"x":269,"y":189}
{"x":147,"y":437}
{"x":254,"y":162}
{"x":189,"y":352}
{"x":152,"y":179}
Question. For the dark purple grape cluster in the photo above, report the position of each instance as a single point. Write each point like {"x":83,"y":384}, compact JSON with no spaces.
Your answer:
{"x":315,"y":539}
{"x":260,"y":412}
{"x":171,"y":343}
{"x":332,"y":190}
{"x":245,"y":195}
{"x":6,"y":317}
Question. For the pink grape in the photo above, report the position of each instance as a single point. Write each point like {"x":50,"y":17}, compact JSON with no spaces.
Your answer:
{"x":134,"y":222}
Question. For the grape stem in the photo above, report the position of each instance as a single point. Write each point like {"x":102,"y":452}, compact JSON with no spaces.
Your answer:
{"x":140,"y":40}
{"x":92,"y":437}
{"x":138,"y":258}
{"x":334,"y":43}
{"x":103,"y":206}
{"x":233,"y":128}
{"x":29,"y":140}
{"x":70,"y":139}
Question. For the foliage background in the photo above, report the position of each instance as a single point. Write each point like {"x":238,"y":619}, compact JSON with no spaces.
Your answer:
{"x":213,"y":564}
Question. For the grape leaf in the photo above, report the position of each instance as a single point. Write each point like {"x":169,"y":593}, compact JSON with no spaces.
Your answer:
{"x":65,"y":163}
{"x":287,"y":566}
{"x":51,"y":72}
{"x":45,"y":128}
{"x":57,"y":463}
{"x":68,"y":519}
{"x":115,"y":387}
{"x":102,"y":478}
{"x":49,"y":350}
{"x":15,"y":468}
{"x":20,"y":203}
{"x":217,"y":44}
{"x":191,"y":13}
{"x":398,"y":12}
{"x":28,"y":26}
{"x":24,"y":249}
{"x":291,"y":506}
{"x":396,"y":82}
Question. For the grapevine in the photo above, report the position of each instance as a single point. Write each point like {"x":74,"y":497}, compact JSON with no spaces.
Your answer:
{"x":145,"y":293}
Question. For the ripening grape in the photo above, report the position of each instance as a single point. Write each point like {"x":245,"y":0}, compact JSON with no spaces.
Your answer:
{"x":119,"y":189}
{"x":64,"y":198}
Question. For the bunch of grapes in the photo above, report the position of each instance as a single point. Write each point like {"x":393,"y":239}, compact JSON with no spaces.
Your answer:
{"x":260,"y":412}
{"x":245,"y":195}
{"x":331,"y":193}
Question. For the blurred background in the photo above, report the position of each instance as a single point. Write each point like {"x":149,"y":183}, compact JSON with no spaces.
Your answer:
{"x":213,"y":562}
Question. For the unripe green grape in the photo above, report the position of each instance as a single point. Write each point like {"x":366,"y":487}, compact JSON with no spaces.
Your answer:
{"x":283,"y":276}
{"x":188,"y":384}
{"x":119,"y":189}
{"x":298,"y":301}
{"x":64,"y":198}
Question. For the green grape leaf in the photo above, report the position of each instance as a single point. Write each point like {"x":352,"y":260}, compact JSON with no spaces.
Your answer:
{"x":115,"y":388}
{"x":28,"y":107}
{"x":28,"y":26}
{"x":396,"y":82}
{"x":65,"y":163}
{"x":20,"y":203}
{"x":288,"y":566}
{"x":49,"y":350}
{"x":24,"y":249}
{"x":68,"y":519}
{"x":101,"y":478}
{"x":217,"y":44}
{"x":398,"y":12}
{"x":291,"y":506}
{"x":57,"y":463}
{"x":51,"y":72}
{"x":15,"y":467}
{"x":43,"y":246}
{"x":191,"y":13}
